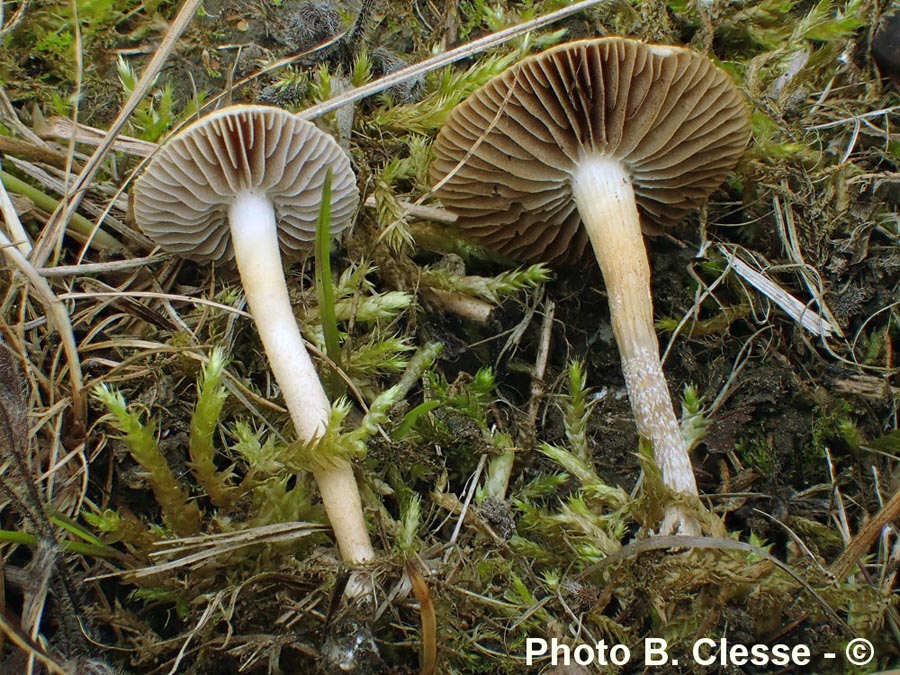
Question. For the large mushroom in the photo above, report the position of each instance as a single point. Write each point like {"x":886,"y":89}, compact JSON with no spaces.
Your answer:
{"x":245,"y":183}
{"x":571,"y":147}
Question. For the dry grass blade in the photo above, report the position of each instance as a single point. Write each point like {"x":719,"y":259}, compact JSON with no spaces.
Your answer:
{"x":31,"y":647}
{"x":864,"y":539}
{"x":790,"y":237}
{"x":432,"y":213}
{"x":214,"y":604}
{"x":429,"y":620}
{"x":855,"y":118}
{"x":103,"y":267}
{"x":7,"y":27}
{"x":47,"y":241}
{"x":21,"y":148}
{"x":464,"y":51}
{"x":62,"y":128}
{"x":216,"y":545}
{"x":252,"y":535}
{"x":798,"y":311}
{"x":156,"y":296}
{"x":58,"y":315}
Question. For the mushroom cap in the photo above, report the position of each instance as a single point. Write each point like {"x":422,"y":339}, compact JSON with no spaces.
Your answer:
{"x":676,"y":122}
{"x":182,"y":199}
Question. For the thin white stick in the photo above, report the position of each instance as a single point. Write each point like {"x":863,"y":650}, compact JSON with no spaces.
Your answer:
{"x":445,"y":59}
{"x":798,"y":311}
{"x":856,"y":118}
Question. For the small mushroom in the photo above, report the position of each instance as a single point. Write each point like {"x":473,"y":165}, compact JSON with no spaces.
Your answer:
{"x":568,"y":149}
{"x":245,"y":183}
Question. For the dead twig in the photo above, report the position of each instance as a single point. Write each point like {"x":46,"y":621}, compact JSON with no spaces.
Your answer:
{"x":429,"y":620}
{"x":862,"y":542}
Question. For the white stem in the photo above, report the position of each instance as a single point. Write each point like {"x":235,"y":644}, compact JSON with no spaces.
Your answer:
{"x":255,"y":238}
{"x":605,"y":198}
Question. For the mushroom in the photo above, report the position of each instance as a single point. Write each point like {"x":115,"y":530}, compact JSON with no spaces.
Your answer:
{"x":245,"y":183}
{"x":562,"y":150}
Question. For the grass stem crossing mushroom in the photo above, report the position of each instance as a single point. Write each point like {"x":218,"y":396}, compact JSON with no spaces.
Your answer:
{"x":567,"y":150}
{"x":244,"y":184}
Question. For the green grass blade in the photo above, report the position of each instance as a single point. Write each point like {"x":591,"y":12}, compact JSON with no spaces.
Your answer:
{"x":325,"y":288}
{"x":409,"y":419}
{"x":79,"y":547}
